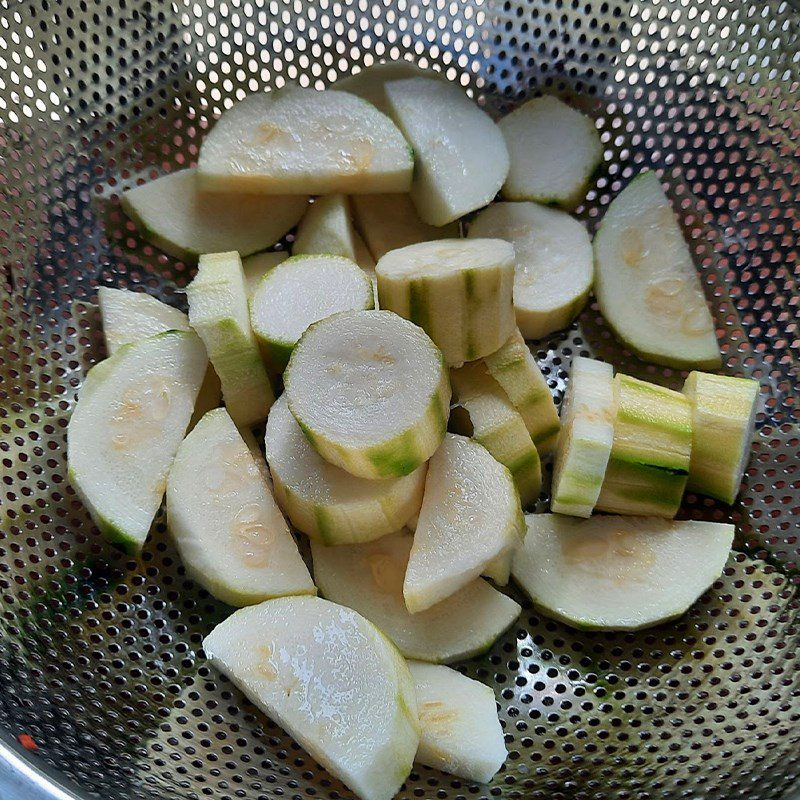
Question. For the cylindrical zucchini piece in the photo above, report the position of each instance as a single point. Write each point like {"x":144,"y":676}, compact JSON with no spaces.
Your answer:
{"x":302,"y":290}
{"x":370,"y":391}
{"x":723,"y":418}
{"x":459,"y":291}
{"x":324,"y":501}
{"x":586,"y":439}
{"x":649,"y":463}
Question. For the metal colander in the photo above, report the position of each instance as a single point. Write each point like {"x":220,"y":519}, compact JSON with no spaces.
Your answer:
{"x":104,"y":690}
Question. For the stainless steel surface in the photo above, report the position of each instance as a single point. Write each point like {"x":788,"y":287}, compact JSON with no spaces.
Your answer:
{"x":100,"y":659}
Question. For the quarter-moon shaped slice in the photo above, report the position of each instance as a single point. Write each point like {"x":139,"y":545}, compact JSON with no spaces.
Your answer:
{"x":131,"y":415}
{"x":230,"y":533}
{"x":332,"y":680}
{"x":646,"y":284}
{"x":461,"y":733}
{"x":176,"y":216}
{"x":618,"y":573}
{"x":301,"y":141}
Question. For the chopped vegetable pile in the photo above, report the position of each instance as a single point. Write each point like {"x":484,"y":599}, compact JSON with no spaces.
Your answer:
{"x":409,"y":435}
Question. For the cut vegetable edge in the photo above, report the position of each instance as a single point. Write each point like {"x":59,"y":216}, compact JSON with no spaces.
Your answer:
{"x":460,"y":731}
{"x":370,"y":155}
{"x":174,"y":214}
{"x":515,"y":369}
{"x":497,"y":425}
{"x":587,"y":436}
{"x":326,"y":228}
{"x":389,"y":222}
{"x":459,"y":291}
{"x":219,"y":312}
{"x":445,"y":557}
{"x":255,"y":267}
{"x":429,"y":112}
{"x":297,"y":293}
{"x":663,"y":319}
{"x":369,"y":83}
{"x":553,"y":263}
{"x":652,"y":425}
{"x":537,"y":325}
{"x":130,"y":316}
{"x":586,"y":153}
{"x":640,"y":490}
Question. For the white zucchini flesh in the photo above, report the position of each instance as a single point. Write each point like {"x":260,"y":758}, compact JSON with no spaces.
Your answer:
{"x":646,"y":283}
{"x":370,"y":83}
{"x":554,"y":150}
{"x":301,"y":141}
{"x":461,"y":160}
{"x":723,"y":419}
{"x":460,"y":731}
{"x":324,"y":501}
{"x":326,"y":228}
{"x":218,"y":311}
{"x":497,"y":425}
{"x":131,"y":316}
{"x":553,"y":265}
{"x":587,"y":436}
{"x":369,"y":578}
{"x":390,"y":221}
{"x":224,"y":521}
{"x":619,"y":573}
{"x":131,"y":415}
{"x":331,"y":680}
{"x":255,"y":267}
{"x":515,"y":369}
{"x":470,"y":516}
{"x":178,"y":217}
{"x":370,"y":391}
{"x":302,"y":291}
{"x":459,"y":291}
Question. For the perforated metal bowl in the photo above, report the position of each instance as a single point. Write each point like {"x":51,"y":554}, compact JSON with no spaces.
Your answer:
{"x":104,"y":690}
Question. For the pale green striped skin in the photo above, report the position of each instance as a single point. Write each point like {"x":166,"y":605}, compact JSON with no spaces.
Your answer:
{"x":350,"y":523}
{"x":522,"y":462}
{"x":407,"y":376}
{"x":398,"y":456}
{"x":723,"y":418}
{"x":649,"y":464}
{"x":468,"y":312}
{"x":587,"y":436}
{"x":218,"y":311}
{"x":580,"y":470}
{"x":640,"y":489}
{"x":515,"y":369}
{"x":494,"y":422}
